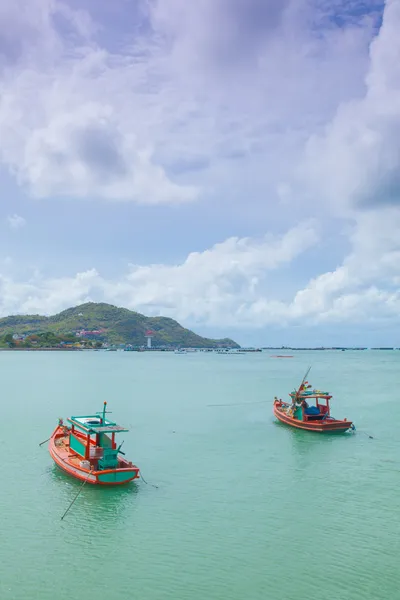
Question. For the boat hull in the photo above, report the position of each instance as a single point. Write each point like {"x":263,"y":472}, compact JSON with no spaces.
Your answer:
{"x":327,"y":426}
{"x":70,"y":463}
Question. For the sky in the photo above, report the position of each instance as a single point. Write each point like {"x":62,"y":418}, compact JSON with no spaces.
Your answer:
{"x":232,"y":164}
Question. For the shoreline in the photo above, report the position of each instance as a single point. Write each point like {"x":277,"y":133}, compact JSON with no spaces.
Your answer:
{"x":43,"y":349}
{"x":196,"y":350}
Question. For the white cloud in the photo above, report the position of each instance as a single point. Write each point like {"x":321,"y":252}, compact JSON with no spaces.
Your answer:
{"x":207,"y":89}
{"x":84,"y":152}
{"x":69,"y":117}
{"x":208,"y":286}
{"x":45,"y":296}
{"x":232,"y":283}
{"x":363,"y":288}
{"x":16,"y":221}
{"x":211,"y":285}
{"x":356,"y":162}
{"x":267,"y":102}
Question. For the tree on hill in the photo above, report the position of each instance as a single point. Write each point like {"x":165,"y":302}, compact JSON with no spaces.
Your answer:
{"x":116,"y":326}
{"x":9,"y":340}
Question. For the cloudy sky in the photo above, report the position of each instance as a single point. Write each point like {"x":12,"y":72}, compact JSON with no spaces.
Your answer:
{"x":233,"y":164}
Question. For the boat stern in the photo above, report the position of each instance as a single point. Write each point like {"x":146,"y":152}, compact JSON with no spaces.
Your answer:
{"x":117,"y":476}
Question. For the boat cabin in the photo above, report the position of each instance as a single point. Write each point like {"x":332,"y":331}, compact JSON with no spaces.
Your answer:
{"x":93,"y":438}
{"x":304,"y":412}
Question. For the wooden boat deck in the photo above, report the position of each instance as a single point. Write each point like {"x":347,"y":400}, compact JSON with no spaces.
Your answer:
{"x":64,"y":452}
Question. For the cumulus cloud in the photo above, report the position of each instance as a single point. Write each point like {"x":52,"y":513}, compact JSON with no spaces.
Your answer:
{"x":292,"y":107}
{"x":16,"y":221}
{"x":218,"y":34}
{"x":85,"y":153}
{"x":211,"y":285}
{"x":231,"y":284}
{"x":69,"y":122}
{"x":45,"y":296}
{"x":365,"y":287}
{"x":208,"y":286}
{"x":356,"y":162}
{"x":204,"y":84}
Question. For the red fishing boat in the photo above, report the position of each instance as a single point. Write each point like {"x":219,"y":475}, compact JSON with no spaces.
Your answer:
{"x":87,"y":450}
{"x":317,"y":417}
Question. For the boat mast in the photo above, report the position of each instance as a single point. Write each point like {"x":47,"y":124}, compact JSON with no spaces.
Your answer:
{"x":300,"y":386}
{"x":104,"y":412}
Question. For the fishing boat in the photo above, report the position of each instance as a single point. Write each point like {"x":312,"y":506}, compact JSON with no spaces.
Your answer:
{"x":86,"y":449}
{"x":300,"y":414}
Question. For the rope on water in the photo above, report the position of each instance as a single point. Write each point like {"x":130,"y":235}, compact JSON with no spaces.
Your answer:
{"x":41,"y":443}
{"x":240,"y":403}
{"x":353,"y":428}
{"x":76,"y":497}
{"x":152,"y":484}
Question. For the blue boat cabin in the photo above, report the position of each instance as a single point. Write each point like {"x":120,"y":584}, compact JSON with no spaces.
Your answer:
{"x":304,"y":412}
{"x":93,"y":438}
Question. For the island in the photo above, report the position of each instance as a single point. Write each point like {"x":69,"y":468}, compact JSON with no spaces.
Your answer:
{"x":96,"y":325}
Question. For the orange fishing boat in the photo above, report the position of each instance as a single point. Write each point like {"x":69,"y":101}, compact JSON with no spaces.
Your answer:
{"x":299,"y":414}
{"x":87,"y":450}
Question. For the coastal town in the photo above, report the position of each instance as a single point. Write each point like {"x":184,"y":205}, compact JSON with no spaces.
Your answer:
{"x":88,"y":340}
{"x":83,"y":339}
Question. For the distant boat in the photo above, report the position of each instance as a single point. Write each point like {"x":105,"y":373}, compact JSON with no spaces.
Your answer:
{"x":316,"y":418}
{"x":87,"y":450}
{"x":180,"y":351}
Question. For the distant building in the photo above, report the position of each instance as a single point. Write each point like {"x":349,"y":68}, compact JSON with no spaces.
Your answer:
{"x":149,"y":335}
{"x":89,"y":333}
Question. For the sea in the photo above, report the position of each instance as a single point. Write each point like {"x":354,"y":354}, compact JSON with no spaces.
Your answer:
{"x":233,"y":505}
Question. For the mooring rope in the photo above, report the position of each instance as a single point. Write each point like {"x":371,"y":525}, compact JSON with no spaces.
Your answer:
{"x":152,"y":484}
{"x":79,"y":491}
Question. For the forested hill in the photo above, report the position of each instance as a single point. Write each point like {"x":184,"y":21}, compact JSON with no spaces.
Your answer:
{"x":108,"y":323}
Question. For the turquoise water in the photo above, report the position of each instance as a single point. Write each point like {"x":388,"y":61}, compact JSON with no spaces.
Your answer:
{"x":246,"y":508}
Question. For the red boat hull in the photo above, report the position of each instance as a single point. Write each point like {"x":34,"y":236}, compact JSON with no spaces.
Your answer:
{"x":70,"y":463}
{"x":329,"y":425}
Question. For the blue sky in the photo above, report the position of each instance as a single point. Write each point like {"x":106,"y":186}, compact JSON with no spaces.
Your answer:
{"x":233,"y":164}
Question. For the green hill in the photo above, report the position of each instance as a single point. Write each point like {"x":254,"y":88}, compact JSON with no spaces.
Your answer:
{"x":120,"y":325}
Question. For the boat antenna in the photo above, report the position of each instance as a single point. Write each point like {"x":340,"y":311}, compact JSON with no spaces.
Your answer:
{"x":119,"y":449}
{"x":103,"y":412}
{"x":300,"y":386}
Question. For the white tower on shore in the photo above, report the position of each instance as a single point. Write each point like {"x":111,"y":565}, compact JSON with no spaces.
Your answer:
{"x":149,"y":336}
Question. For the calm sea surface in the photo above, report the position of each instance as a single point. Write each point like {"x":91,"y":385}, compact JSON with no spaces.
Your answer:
{"x":246,"y":508}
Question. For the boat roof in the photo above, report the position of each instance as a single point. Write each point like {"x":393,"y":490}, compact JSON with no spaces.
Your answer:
{"x":94,"y":424}
{"x":313,"y":394}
